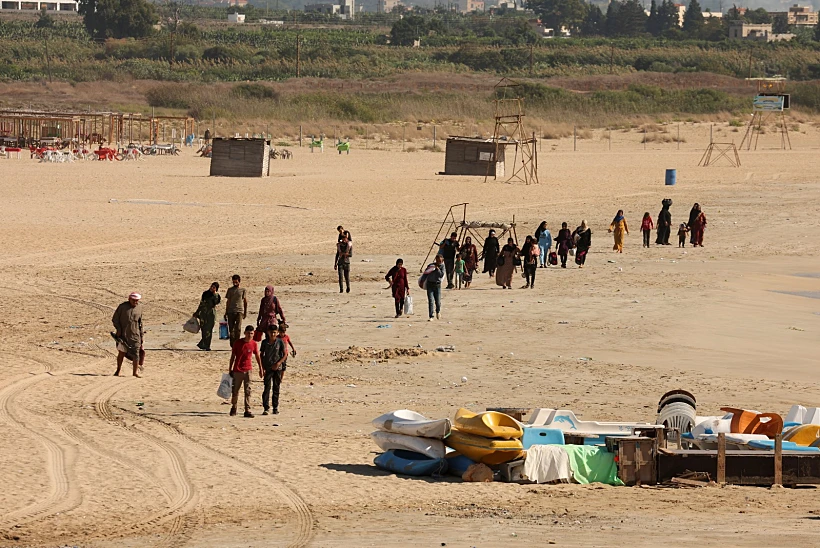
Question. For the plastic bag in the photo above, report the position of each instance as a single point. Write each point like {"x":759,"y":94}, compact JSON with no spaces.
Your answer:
{"x":572,"y":252}
{"x":408,"y":305}
{"x":191,"y":326}
{"x":223,"y":330}
{"x":225,"y":390}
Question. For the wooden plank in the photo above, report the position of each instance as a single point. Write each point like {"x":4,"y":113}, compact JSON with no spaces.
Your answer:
{"x":778,"y":459}
{"x":689,"y":483}
{"x":721,"y":459}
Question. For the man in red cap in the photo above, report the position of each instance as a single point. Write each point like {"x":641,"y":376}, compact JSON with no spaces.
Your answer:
{"x":127,"y":321}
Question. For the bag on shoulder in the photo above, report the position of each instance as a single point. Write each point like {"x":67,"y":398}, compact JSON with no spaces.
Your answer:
{"x":516,"y":260}
{"x":501,"y":260}
{"x":427,"y":271}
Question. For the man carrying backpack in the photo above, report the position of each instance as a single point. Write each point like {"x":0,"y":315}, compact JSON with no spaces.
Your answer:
{"x":431,"y":280}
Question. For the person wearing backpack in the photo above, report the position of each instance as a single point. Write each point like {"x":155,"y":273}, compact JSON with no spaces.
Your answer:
{"x":431,"y":279}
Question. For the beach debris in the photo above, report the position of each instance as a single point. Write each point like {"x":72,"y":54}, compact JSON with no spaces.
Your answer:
{"x":446,"y":348}
{"x":463,"y":379}
{"x":351,"y":385}
{"x":584,"y":359}
{"x":383,"y":326}
{"x":362,"y":353}
{"x":563,"y":323}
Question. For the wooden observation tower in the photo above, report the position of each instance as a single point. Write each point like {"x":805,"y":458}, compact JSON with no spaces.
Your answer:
{"x":509,"y":131}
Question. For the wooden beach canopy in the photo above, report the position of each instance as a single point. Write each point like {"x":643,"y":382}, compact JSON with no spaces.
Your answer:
{"x":233,"y":157}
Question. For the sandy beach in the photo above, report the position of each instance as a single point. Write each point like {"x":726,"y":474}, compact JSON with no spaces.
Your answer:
{"x":94,"y":460}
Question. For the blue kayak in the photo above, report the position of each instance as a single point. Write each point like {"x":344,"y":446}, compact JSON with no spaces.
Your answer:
{"x":457,"y":463}
{"x":787,"y":446}
{"x":409,"y":463}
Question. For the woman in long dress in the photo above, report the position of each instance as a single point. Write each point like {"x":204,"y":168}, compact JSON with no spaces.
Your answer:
{"x":693,"y":214}
{"x":563,"y":243}
{"x":397,"y":278}
{"x":269,"y":307}
{"x":619,"y":229}
{"x":206,"y":314}
{"x":490,"y":253}
{"x":469,"y":254}
{"x":664,"y":224}
{"x":583,"y":241}
{"x":698,"y":227}
{"x":504,"y":270}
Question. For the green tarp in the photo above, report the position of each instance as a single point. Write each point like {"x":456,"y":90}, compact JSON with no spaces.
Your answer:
{"x":592,"y":464}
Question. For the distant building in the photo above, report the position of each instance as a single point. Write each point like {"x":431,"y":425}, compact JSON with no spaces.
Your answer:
{"x":54,"y":5}
{"x":763,"y":33}
{"x":325,"y":9}
{"x":236,"y":17}
{"x":466,"y":6}
{"x":386,"y":6}
{"x":801,"y":16}
{"x":681,"y":11}
{"x":238,"y":3}
{"x":346,"y":9}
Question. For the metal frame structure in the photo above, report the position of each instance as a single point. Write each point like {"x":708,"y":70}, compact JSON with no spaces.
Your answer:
{"x":509,"y":130}
{"x":773,"y":86}
{"x":466,"y":228}
{"x":723,"y":150}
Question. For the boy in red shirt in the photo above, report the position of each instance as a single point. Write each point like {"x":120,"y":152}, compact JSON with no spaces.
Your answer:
{"x":240,"y":368}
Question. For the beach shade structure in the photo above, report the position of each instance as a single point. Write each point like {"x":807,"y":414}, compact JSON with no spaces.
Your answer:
{"x":717,"y":151}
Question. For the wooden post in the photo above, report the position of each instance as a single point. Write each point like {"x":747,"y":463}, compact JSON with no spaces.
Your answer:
{"x":530,"y":59}
{"x":711,"y":129}
{"x":365,"y":137}
{"x":721,"y":459}
{"x":644,"y":138}
{"x":610,"y":139}
{"x":300,"y":136}
{"x":434,"y":138}
{"x":403,"y":129}
{"x":574,"y":138}
{"x":678,"y":135}
{"x":778,"y":460}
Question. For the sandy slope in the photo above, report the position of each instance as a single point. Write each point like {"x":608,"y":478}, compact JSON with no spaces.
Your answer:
{"x":84,"y":464}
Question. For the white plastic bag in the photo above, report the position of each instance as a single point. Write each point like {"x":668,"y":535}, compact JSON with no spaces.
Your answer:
{"x":408,"y":305}
{"x":571,"y":252}
{"x":191,"y":326}
{"x":225,"y":390}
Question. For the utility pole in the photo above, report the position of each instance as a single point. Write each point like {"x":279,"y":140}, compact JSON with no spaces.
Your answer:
{"x":48,"y":62}
{"x":174,"y":24}
{"x":750,"y":61}
{"x":530,"y":59}
{"x":298,"y":57}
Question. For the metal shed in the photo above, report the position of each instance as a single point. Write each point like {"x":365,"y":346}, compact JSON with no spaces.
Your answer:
{"x":474,"y":156}
{"x":240,"y":157}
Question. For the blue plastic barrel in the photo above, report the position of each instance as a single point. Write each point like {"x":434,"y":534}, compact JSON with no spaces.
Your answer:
{"x":671,"y":177}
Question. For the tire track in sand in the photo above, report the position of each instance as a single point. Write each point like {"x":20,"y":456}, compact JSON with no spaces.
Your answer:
{"x":63,"y":493}
{"x":304,"y":516}
{"x":186,"y":497}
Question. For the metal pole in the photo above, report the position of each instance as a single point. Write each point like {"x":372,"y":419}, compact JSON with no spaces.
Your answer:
{"x":403,"y":128}
{"x":610,"y":139}
{"x":574,"y":137}
{"x":365,"y":137}
{"x":644,"y":138}
{"x":711,"y":129}
{"x":678,"y":135}
{"x":434,"y":137}
{"x":300,"y":136}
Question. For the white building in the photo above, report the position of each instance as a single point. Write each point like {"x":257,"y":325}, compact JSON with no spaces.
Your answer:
{"x":236,"y":17}
{"x":53,"y":5}
{"x":346,"y":9}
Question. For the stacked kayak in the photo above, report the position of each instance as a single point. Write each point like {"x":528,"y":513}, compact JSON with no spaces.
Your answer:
{"x":411,"y":443}
{"x":489,"y":438}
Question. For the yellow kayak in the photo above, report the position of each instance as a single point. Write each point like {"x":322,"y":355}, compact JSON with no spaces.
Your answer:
{"x":490,"y":424}
{"x":484,"y":450}
{"x":805,"y":434}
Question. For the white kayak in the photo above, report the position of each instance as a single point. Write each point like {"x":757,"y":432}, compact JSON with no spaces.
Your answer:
{"x":429,"y":447}
{"x":411,"y":423}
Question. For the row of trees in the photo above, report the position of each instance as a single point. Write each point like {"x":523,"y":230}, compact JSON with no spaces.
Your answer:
{"x":628,"y":18}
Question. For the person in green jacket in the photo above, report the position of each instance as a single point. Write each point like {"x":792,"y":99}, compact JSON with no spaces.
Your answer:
{"x":206,"y":314}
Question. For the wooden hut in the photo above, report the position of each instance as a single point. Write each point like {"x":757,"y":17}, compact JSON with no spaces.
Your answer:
{"x":474,"y":156}
{"x":240,"y":158}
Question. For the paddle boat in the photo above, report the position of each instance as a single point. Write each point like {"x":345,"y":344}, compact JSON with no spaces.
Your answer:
{"x":425,"y":446}
{"x":411,"y":423}
{"x":409,"y":463}
{"x":490,"y":424}
{"x":486,"y":450}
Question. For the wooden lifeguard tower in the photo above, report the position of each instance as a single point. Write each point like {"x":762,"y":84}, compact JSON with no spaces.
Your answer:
{"x":509,"y":131}
{"x":771,"y":99}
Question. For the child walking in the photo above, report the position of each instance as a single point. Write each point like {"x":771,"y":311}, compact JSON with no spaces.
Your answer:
{"x":646,"y":228}
{"x":459,"y":269}
{"x":682,"y":231}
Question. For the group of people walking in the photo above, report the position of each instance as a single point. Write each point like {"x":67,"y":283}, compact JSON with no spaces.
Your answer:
{"x":694,"y":227}
{"x":270,"y":330}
